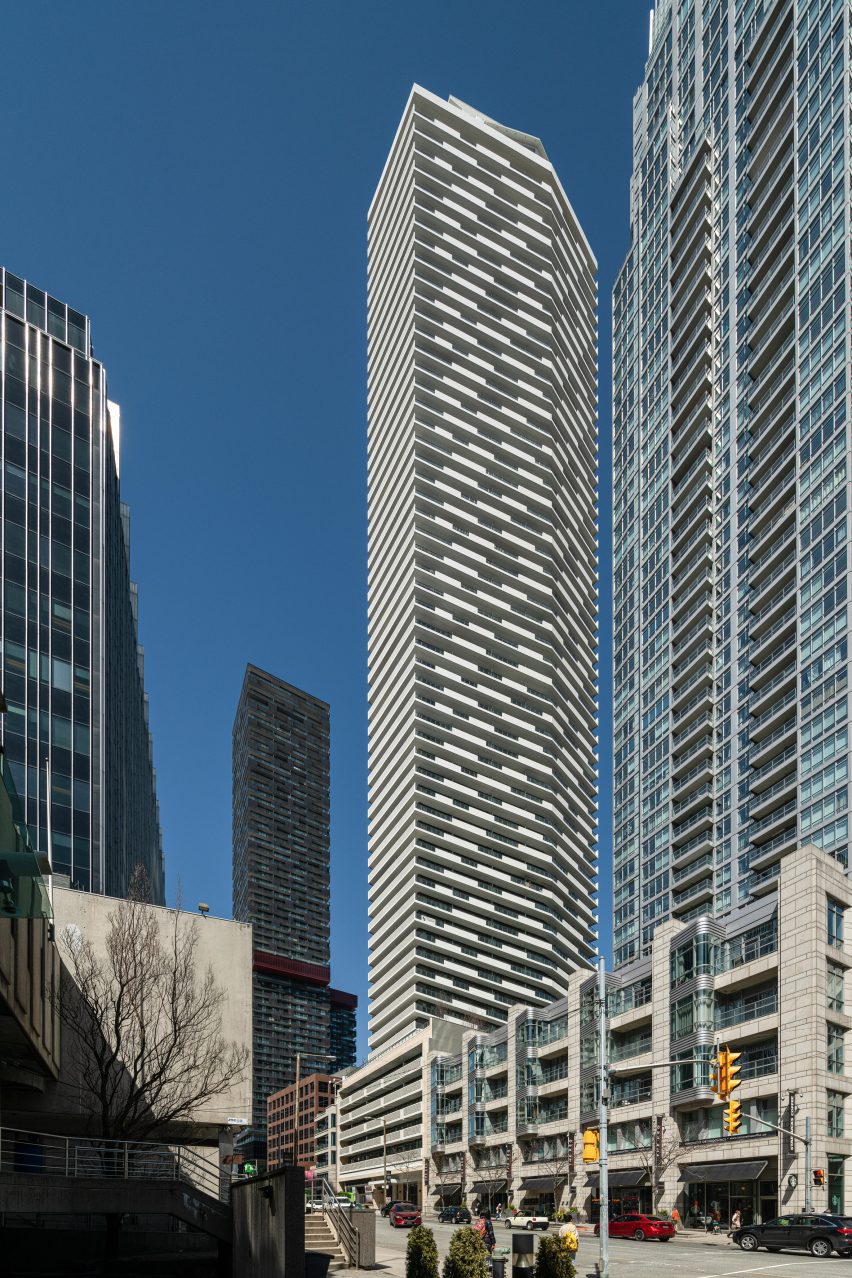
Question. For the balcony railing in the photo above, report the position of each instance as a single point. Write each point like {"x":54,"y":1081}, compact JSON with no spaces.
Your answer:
{"x":765,"y":1004}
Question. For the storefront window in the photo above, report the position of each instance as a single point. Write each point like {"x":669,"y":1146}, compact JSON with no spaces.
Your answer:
{"x":708,"y":1204}
{"x":836,"y":1188}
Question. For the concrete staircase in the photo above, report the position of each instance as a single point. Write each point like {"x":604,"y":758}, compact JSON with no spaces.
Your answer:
{"x":323,"y":1253}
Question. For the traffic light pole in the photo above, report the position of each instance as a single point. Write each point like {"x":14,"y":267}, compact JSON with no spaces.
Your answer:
{"x":603,"y":1189}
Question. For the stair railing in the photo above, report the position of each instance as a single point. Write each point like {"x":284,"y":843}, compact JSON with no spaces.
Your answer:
{"x":340,"y":1222}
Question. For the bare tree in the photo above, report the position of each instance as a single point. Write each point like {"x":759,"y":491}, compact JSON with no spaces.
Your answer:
{"x":147,"y":1022}
{"x":491,"y":1172}
{"x":555,"y":1164}
{"x":657,"y":1158}
{"x":447,"y":1172}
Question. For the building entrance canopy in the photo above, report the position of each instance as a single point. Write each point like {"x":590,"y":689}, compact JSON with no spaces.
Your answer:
{"x":704,"y":1172}
{"x":624,"y":1176}
{"x":481,"y":1187}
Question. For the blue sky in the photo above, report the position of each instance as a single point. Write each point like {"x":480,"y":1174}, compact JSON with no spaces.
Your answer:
{"x":195,"y":176}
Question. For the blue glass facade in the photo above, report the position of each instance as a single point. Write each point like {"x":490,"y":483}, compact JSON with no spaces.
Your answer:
{"x":731,"y":459}
{"x":71,"y":662}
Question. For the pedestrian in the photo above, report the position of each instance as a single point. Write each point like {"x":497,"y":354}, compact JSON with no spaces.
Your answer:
{"x":676,"y":1218}
{"x":736,"y":1219}
{"x":568,"y":1236}
{"x":485,"y":1229}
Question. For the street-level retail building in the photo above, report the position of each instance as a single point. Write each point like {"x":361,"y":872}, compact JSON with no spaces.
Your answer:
{"x":500,"y":1116}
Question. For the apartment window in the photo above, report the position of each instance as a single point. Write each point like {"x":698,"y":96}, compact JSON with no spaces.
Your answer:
{"x":835,"y":923}
{"x":835,"y":1049}
{"x":835,"y":1113}
{"x":835,"y":987}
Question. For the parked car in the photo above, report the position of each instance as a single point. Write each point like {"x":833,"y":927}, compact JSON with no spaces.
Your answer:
{"x":454,"y":1216}
{"x":388,"y":1207}
{"x":820,"y":1234}
{"x":404,"y":1214}
{"x":325,"y":1204}
{"x":527,"y":1220}
{"x":641,"y":1227}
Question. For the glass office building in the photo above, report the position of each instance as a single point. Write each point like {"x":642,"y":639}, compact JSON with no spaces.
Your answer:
{"x":731,"y":460}
{"x":72,"y":665}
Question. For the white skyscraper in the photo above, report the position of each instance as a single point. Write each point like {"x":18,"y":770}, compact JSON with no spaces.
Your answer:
{"x":482,"y":570}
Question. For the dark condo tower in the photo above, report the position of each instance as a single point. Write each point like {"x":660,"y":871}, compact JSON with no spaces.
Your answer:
{"x":281,"y":883}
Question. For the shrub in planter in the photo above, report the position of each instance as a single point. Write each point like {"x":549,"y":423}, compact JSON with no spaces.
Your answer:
{"x":421,"y":1254}
{"x":553,"y":1259}
{"x":467,"y":1257}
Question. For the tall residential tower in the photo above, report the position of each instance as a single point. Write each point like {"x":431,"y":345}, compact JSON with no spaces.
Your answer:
{"x":482,"y":575}
{"x":72,"y":665}
{"x":731,"y":466}
{"x":281,"y":883}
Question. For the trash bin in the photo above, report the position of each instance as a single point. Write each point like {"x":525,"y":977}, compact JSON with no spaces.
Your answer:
{"x":523,"y":1255}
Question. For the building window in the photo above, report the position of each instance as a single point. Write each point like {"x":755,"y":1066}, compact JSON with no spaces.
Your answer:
{"x":835,"y":923}
{"x":835,"y":987}
{"x":835,"y":1113}
{"x":835,"y":1049}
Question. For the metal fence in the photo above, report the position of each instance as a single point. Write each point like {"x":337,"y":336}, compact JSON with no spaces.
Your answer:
{"x":41,"y":1153}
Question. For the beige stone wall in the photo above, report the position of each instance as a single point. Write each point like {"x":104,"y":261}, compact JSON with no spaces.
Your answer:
{"x":222,"y":944}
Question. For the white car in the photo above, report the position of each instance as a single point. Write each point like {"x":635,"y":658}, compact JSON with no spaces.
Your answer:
{"x":526,"y":1220}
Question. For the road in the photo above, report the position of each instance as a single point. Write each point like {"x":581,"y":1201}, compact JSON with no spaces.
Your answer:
{"x":691,"y":1255}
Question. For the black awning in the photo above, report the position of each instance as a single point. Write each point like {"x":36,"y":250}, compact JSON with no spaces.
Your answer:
{"x":448,"y":1187}
{"x":623,"y":1176}
{"x":481,"y":1187}
{"x":542,"y":1182}
{"x":704,"y":1172}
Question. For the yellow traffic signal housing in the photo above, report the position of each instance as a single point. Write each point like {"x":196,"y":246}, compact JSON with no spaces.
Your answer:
{"x":714,"y":1076}
{"x":591,"y":1145}
{"x":819,"y":1176}
{"x":726,"y":1072}
{"x":732,"y":1117}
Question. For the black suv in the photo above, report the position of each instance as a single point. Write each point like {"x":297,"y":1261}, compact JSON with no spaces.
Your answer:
{"x":820,"y":1234}
{"x":455,"y":1216}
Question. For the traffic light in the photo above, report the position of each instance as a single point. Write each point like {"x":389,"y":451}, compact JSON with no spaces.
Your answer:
{"x":819,"y":1177}
{"x":591,"y":1145}
{"x":726,"y":1072}
{"x":250,"y":1169}
{"x":732,"y":1117}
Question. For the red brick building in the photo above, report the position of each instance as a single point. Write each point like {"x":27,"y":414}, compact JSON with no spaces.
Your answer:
{"x":316,"y":1092}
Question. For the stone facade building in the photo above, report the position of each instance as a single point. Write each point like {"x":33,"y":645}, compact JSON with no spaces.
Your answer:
{"x":502,"y":1114}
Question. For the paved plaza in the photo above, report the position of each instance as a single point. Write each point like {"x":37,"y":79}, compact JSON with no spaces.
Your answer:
{"x":693,"y":1255}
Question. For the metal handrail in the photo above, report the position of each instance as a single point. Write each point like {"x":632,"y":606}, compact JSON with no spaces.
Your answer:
{"x":340,"y":1224}
{"x":85,"y":1157}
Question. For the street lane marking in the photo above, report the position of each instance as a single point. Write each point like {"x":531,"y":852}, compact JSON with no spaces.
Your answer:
{"x":758,"y":1269}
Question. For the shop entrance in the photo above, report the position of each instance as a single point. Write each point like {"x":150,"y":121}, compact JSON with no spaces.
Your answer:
{"x":623,"y":1199}
{"x":710,"y":1204}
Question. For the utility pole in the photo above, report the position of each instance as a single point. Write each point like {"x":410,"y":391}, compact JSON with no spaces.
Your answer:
{"x":809,"y":1193}
{"x":603,"y":1266}
{"x":385,"y":1157}
{"x":296,"y":1116}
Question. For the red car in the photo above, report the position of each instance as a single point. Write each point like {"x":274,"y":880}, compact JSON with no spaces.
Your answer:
{"x":640,"y":1227}
{"x":404,"y":1214}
